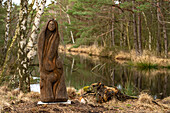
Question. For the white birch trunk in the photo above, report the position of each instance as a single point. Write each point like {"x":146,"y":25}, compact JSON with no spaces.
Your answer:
{"x":7,"y":24}
{"x":31,"y":43}
{"x":22,"y":60}
{"x":69,"y":21}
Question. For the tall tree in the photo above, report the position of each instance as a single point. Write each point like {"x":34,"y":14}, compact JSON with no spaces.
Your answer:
{"x":135,"y":28}
{"x":2,"y":31}
{"x":158,"y":35}
{"x":161,"y":20}
{"x":31,"y":46}
{"x":139,"y":33}
{"x":113,"y":25}
{"x":150,"y":36}
{"x":24,"y":79}
{"x":9,"y":3}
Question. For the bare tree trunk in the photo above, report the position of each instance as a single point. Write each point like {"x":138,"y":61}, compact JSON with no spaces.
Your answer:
{"x":164,"y":28}
{"x":127,"y":34}
{"x":139,"y":33}
{"x":9,"y":3}
{"x":135,"y":28}
{"x":121,"y":34}
{"x":113,"y":33}
{"x":22,"y":59}
{"x":150,"y":36}
{"x":72,"y":66}
{"x":61,"y":27}
{"x":165,"y":39}
{"x":9,"y":50}
{"x":159,"y":40}
{"x":158,"y":34}
{"x":113,"y":77}
{"x":69,"y":21}
{"x":121,"y":27}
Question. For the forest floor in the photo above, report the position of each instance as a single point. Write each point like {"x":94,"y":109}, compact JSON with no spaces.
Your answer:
{"x":14,"y":101}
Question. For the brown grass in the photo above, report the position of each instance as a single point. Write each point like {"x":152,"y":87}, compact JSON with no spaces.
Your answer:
{"x":71,"y":91}
{"x":11,"y":99}
{"x":145,"y":98}
{"x":147,"y":57}
{"x":121,"y":57}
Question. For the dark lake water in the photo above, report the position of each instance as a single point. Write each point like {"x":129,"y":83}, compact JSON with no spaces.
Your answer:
{"x":83,"y":70}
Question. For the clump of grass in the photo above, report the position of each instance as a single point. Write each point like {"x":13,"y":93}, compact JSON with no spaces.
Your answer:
{"x":74,"y":46}
{"x":146,"y":66}
{"x":145,"y":98}
{"x":130,"y":89}
{"x":168,"y":67}
{"x":128,"y":105}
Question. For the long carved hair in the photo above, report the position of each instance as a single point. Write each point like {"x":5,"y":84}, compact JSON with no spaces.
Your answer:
{"x":43,"y":37}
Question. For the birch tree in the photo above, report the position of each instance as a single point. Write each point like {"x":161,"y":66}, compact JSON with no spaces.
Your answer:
{"x":63,"y":9}
{"x":7,"y":25}
{"x":31,"y":47}
{"x":69,"y":21}
{"x":22,"y":37}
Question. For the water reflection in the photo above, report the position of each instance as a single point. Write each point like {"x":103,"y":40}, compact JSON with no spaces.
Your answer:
{"x":83,"y":70}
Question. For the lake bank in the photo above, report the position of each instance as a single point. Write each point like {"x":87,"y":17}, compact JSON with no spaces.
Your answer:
{"x":148,"y":59}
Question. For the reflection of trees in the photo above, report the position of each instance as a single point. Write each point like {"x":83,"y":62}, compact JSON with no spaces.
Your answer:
{"x":72,"y":65}
{"x":155,"y":85}
{"x":86,"y":71}
{"x":165,"y":85}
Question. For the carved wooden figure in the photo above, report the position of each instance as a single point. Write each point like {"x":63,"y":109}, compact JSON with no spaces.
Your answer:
{"x":52,"y":82}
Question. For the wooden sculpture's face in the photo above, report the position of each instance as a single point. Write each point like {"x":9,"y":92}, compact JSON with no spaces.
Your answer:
{"x":51,"y":26}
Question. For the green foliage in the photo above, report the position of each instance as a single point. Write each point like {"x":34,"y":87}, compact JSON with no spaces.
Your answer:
{"x":146,"y":66}
{"x":84,"y":11}
{"x":125,"y":4}
{"x":143,"y":7}
{"x":128,"y":105}
{"x":130,"y":89}
{"x":167,"y":67}
{"x":92,"y":19}
{"x":85,"y":88}
{"x":72,"y":1}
